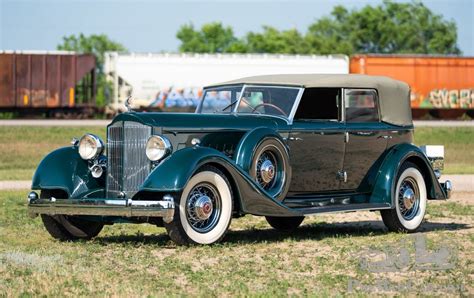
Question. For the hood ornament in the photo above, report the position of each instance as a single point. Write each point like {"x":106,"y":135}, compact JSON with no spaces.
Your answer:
{"x":128,"y":103}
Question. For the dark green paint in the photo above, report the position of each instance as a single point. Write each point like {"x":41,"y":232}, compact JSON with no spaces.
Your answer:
{"x":64,"y":169}
{"x":174,"y":172}
{"x":387,"y":173}
{"x":228,"y":141}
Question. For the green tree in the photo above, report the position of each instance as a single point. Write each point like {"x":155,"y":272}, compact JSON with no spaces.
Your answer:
{"x":386,"y":28}
{"x":97,"y":45}
{"x":211,"y":38}
{"x":92,"y":44}
{"x":272,"y":40}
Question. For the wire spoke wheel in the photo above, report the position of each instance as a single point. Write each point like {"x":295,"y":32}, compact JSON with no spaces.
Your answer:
{"x":266,"y":169}
{"x":409,"y":198}
{"x":203,"y":207}
{"x":270,"y":168}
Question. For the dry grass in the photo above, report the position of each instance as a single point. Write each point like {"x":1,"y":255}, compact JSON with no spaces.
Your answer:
{"x":319,"y":259}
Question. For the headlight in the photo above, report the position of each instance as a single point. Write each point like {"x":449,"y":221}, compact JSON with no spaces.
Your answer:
{"x":90,"y":147}
{"x":157,"y":148}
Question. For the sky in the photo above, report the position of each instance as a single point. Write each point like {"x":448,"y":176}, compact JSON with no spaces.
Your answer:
{"x":151,"y":26}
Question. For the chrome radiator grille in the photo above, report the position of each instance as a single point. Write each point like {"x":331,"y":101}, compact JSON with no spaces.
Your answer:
{"x":127,"y":164}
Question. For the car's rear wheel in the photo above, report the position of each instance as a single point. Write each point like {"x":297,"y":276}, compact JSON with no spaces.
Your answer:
{"x":410,"y":198}
{"x":284,"y":223}
{"x":204,"y":210}
{"x":69,"y":228}
{"x":270,"y":168}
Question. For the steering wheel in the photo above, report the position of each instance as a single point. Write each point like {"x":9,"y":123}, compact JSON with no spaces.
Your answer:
{"x":271,"y":106}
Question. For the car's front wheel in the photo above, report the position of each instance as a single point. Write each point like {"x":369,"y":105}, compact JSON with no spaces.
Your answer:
{"x":69,"y":228}
{"x":204,"y":210}
{"x":409,"y":199}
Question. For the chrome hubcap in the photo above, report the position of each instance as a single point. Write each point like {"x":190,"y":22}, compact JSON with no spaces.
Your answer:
{"x":203,"y":207}
{"x":267,"y":171}
{"x":409,"y":198}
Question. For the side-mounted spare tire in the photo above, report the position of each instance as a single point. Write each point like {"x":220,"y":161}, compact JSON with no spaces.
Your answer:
{"x":270,"y":168}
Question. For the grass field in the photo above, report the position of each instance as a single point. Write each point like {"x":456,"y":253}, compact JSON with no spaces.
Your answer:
{"x":22,"y":148}
{"x":323,"y":257}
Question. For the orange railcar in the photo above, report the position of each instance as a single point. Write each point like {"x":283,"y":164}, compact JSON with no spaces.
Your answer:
{"x":443,"y":85}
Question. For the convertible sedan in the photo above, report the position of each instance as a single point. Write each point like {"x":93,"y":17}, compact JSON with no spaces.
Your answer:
{"x":279,"y":146}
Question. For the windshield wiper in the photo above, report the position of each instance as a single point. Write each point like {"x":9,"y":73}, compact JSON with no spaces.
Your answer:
{"x":242,"y":99}
{"x":226,"y":107}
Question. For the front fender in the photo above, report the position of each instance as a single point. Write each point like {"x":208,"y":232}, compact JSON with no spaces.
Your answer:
{"x":173,"y":173}
{"x":64,"y":169}
{"x":387,"y":174}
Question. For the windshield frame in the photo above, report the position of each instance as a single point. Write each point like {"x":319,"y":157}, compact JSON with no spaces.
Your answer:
{"x":236,"y":104}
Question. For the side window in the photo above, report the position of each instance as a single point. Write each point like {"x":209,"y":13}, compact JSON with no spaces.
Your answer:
{"x":361,"y":105}
{"x":319,"y":104}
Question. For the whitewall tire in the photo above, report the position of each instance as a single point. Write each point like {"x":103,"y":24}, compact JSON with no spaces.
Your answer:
{"x":409,"y":199}
{"x":204,"y":211}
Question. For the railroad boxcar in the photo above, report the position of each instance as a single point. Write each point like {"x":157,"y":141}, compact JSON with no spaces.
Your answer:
{"x":442,"y":86}
{"x":57,"y":82}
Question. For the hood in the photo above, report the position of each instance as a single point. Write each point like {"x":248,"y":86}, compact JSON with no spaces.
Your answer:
{"x":199,"y":122}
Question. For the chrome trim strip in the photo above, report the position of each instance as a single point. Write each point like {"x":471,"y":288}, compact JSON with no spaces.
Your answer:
{"x":295,"y":106}
{"x":103,"y":207}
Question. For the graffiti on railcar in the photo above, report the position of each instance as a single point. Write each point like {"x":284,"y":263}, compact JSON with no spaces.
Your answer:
{"x":445,"y":98}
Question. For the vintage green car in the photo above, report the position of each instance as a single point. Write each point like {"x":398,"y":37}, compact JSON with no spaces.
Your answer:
{"x":279,"y":146}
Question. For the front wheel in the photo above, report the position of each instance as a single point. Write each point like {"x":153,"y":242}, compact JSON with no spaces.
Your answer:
{"x":410,"y":201}
{"x":204,"y":210}
{"x":69,"y":228}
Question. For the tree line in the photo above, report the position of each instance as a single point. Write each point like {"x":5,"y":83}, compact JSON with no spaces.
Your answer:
{"x":387,"y":28}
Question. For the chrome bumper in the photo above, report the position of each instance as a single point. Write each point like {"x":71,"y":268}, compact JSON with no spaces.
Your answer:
{"x":448,"y":188}
{"x":102,"y":207}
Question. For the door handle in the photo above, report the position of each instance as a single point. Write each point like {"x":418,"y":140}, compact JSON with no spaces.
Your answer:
{"x":295,"y":139}
{"x":384,"y":137}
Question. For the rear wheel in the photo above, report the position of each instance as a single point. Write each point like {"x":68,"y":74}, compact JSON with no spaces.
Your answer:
{"x":284,"y":223}
{"x":69,"y":228}
{"x":204,"y":210}
{"x":409,"y":199}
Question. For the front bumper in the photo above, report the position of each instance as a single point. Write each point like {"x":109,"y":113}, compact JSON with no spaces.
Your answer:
{"x":102,"y":207}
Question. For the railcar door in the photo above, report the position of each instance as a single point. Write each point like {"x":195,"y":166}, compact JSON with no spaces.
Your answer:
{"x":366,"y":138}
{"x":316,"y":142}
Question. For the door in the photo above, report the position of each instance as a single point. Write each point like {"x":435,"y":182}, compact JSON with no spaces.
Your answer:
{"x":316,"y":142}
{"x":367,"y":139}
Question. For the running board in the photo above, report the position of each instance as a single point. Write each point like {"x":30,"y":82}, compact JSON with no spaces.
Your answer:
{"x":343,"y":208}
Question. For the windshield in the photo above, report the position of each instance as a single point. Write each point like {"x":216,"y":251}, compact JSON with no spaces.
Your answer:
{"x":268,"y":100}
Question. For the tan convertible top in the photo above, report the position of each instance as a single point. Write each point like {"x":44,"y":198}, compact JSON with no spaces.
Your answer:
{"x":394,"y":96}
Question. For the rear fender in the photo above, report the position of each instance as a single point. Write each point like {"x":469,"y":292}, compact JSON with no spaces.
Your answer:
{"x":173,"y":173}
{"x":387,"y":174}
{"x":64,"y":169}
